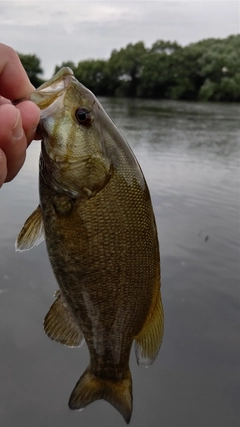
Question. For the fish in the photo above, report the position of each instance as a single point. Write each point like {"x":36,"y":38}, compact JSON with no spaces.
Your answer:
{"x":96,"y":216}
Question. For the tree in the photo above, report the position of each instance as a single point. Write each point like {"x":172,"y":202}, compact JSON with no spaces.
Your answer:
{"x":165,"y":47}
{"x":32,"y":65}
{"x":206,"y":70}
{"x":93,"y":75}
{"x":219,"y":67}
{"x":125,"y":67}
{"x":156,"y":74}
{"x":184,"y":69}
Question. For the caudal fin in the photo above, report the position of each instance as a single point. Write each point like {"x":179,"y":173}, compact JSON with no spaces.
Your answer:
{"x":90,"y":388}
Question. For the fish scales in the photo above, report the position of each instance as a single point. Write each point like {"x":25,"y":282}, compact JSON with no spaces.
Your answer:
{"x":99,"y":262}
{"x":102,"y":242}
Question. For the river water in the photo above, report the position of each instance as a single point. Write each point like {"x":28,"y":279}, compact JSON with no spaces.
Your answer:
{"x":190,"y":155}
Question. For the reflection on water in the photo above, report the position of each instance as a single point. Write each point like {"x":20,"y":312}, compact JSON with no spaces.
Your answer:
{"x":190,"y":156}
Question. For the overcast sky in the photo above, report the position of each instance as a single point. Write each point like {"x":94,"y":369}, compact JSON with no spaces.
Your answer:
{"x":58,"y":31}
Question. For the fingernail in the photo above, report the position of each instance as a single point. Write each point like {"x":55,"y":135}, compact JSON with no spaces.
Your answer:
{"x":17,"y":130}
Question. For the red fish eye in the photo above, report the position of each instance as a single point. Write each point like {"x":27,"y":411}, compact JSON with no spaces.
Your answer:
{"x":83,"y":116}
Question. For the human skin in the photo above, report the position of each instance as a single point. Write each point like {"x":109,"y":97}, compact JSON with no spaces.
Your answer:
{"x":17,"y":123}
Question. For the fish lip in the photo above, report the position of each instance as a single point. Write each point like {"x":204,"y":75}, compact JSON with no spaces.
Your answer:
{"x":56,"y":87}
{"x":59,"y":82}
{"x":48,"y":92}
{"x":61,"y":75}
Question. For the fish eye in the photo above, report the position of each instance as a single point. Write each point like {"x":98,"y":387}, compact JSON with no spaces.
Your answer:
{"x":83,"y":116}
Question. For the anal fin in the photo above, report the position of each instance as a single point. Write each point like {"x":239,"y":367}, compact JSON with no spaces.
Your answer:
{"x":60,"y":325}
{"x":32,"y":232}
{"x":149,"y":339}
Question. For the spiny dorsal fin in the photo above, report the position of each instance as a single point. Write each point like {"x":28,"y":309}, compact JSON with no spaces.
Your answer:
{"x":149,"y":339}
{"x":60,"y":326}
{"x":32,"y":232}
{"x":117,"y":392}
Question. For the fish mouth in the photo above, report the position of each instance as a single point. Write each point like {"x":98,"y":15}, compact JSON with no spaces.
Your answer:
{"x":57,"y":82}
{"x":52,"y":87}
{"x":49,"y":91}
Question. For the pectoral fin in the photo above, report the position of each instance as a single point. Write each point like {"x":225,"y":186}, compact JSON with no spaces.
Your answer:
{"x":32,"y":232}
{"x":60,"y":325}
{"x":149,"y":339}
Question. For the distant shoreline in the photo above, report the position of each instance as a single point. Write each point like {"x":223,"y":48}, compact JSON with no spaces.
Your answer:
{"x":204,"y":71}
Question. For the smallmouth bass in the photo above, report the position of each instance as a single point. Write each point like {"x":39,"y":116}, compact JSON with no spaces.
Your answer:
{"x":96,"y":215}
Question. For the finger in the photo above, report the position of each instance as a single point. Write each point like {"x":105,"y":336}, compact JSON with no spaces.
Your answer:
{"x":30,"y":114}
{"x":4,"y":101}
{"x":14,"y":82}
{"x":13,"y":141}
{"x":3,"y":167}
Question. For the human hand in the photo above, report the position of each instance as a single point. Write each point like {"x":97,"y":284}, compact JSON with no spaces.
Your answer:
{"x":17,"y":123}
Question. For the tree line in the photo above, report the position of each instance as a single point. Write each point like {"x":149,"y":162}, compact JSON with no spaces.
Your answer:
{"x":208,"y":70}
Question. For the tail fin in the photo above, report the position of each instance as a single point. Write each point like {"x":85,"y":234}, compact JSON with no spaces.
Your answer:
{"x":90,"y":388}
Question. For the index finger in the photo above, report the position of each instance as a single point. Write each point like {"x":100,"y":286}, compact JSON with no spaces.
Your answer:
{"x":14,"y":82}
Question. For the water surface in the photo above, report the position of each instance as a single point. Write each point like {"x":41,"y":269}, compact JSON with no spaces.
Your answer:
{"x":190,"y":155}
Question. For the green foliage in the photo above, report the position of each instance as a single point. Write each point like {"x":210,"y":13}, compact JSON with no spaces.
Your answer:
{"x":125,"y":67}
{"x":220,"y":66}
{"x":207,"y":90}
{"x":93,"y":74}
{"x":32,"y":65}
{"x":208,"y":70}
{"x":157,"y":73}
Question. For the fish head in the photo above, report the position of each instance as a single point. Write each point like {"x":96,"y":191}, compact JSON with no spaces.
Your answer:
{"x":72,"y":127}
{"x":67,"y":116}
